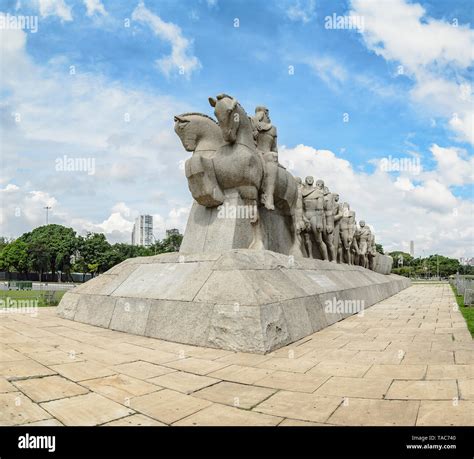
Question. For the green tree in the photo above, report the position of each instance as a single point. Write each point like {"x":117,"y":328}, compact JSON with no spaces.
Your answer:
{"x":379,"y":248}
{"x":4,"y":242}
{"x":92,"y":253}
{"x":170,"y":243}
{"x":14,"y":257}
{"x":398,"y":255}
{"x":50,"y":248}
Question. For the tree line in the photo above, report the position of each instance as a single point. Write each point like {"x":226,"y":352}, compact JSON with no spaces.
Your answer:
{"x":56,"y":248}
{"x":408,"y":266}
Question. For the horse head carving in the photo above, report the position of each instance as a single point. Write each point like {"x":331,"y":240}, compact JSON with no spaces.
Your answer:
{"x":198,"y":132}
{"x":233,"y":120}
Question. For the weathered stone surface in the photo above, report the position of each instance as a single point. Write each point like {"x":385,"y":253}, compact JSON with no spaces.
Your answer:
{"x":222,"y":415}
{"x":49,"y":388}
{"x":16,"y":408}
{"x":383,"y":263}
{"x":235,"y":394}
{"x":206,"y":231}
{"x":88,"y":312}
{"x":307,"y":407}
{"x":243,"y":300}
{"x":167,"y":405}
{"x":86,"y":410}
{"x":130,"y":315}
{"x":180,"y":321}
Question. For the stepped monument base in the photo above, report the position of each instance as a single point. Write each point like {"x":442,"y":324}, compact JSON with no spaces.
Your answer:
{"x":242,"y":300}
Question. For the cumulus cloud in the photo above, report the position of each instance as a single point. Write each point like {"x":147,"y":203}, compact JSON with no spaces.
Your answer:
{"x":95,"y":7}
{"x":398,"y":206}
{"x":301,"y":11}
{"x":181,"y":60}
{"x":57,"y":8}
{"x":454,"y":166}
{"x":22,"y":208}
{"x":50,"y":111}
{"x":436,"y":54}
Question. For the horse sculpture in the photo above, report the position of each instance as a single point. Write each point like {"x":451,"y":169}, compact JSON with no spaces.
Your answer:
{"x":200,"y":134}
{"x":230,"y":166}
{"x":225,"y":157}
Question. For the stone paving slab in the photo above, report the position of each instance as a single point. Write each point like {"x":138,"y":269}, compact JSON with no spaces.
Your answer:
{"x":221,"y":415}
{"x":183,"y":382}
{"x":16,"y":408}
{"x":85,"y":410}
{"x":49,"y":388}
{"x":235,"y":394}
{"x":407,"y":361}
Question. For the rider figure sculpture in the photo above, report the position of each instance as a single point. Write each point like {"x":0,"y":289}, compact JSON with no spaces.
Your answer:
{"x":265,"y":135}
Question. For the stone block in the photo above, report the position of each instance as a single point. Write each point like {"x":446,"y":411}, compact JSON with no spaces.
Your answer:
{"x":89,"y":312}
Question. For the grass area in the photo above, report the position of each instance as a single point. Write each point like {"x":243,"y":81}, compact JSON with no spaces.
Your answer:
{"x":466,"y":311}
{"x":43,"y":297}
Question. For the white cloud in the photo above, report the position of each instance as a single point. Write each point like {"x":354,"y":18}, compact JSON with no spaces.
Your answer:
{"x":454,"y":166}
{"x":22,"y":208}
{"x":301,"y":10}
{"x":434,"y":53}
{"x":399,"y":208}
{"x":181,"y":58}
{"x":95,"y":6}
{"x":83,"y":115}
{"x":55,"y":8}
{"x":327,"y":68}
{"x":401,"y":32}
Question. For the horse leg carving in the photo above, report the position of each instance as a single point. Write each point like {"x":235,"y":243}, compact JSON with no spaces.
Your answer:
{"x":271,"y":170}
{"x":257,"y":241}
{"x":202,"y":181}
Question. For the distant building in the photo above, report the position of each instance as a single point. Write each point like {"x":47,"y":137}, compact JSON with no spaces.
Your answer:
{"x":467,"y":261}
{"x":142,"y":233}
{"x":412,"y":248}
{"x":172,"y":232}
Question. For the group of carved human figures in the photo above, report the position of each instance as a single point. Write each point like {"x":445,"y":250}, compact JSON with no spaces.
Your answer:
{"x":318,"y":212}
{"x":333,"y":227}
{"x":241,"y":153}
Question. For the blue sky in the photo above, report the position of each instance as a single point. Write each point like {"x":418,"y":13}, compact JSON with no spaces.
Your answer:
{"x":403,"y":80}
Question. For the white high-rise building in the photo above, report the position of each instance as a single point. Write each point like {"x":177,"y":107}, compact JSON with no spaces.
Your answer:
{"x":142,"y":233}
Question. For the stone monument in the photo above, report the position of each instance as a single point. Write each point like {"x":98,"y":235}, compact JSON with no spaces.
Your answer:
{"x":264,"y":259}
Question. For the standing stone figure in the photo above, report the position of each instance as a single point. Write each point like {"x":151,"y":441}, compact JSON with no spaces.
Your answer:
{"x":299,"y":221}
{"x":372,"y":251}
{"x":328,"y":234}
{"x":363,"y":243}
{"x":265,"y":135}
{"x":337,"y":225}
{"x":346,"y":233}
{"x":313,"y":204}
{"x":354,"y":238}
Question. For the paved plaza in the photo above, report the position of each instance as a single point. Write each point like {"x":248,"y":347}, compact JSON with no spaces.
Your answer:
{"x":408,"y":360}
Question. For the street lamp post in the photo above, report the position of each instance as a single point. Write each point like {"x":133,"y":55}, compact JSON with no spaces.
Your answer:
{"x":47,"y":208}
